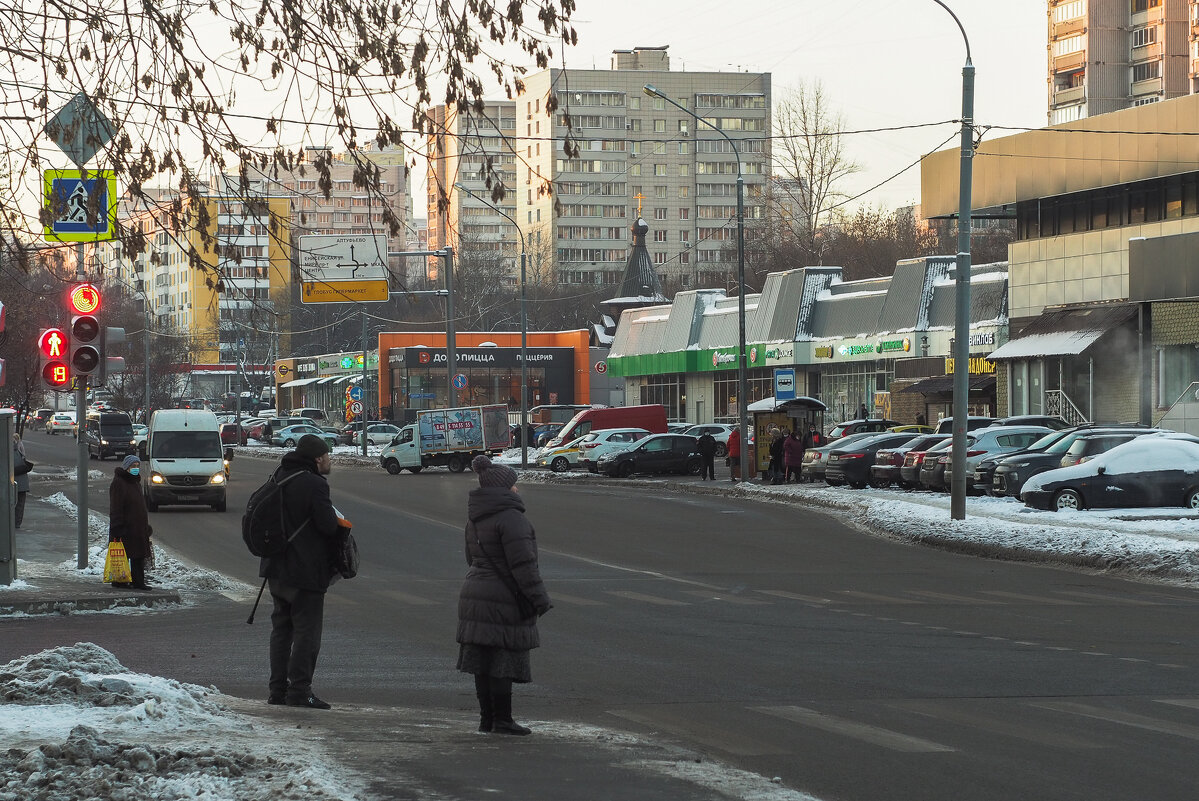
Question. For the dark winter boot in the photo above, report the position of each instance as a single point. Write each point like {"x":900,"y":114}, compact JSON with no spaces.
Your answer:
{"x":483,"y":693}
{"x":501,"y":707}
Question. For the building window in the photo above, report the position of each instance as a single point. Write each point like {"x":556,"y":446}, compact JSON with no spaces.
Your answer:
{"x":668,"y":390}
{"x":1071,"y":10}
{"x":1144,"y":36}
{"x":659,"y":126}
{"x":660,"y":170}
{"x":1071,"y":44}
{"x":635,"y":169}
{"x":684,"y":214}
{"x":659,"y":258}
{"x":660,"y":192}
{"x":1143,"y":72}
{"x":659,"y":214}
{"x":659,"y":236}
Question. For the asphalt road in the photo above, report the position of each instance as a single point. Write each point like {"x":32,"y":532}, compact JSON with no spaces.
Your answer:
{"x":774,"y":638}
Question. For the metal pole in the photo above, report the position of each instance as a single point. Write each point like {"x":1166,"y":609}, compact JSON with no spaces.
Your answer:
{"x":961,"y":329}
{"x":81,"y":471}
{"x":363,"y":382}
{"x":450,"y":355}
{"x":524,"y":365}
{"x":8,"y":533}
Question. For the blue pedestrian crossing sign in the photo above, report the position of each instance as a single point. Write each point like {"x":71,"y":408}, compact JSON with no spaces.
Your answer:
{"x":81,"y":209}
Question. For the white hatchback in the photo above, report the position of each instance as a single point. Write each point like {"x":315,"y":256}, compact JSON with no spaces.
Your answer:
{"x":608,"y":440}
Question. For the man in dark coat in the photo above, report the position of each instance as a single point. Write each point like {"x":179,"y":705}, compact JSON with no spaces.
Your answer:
{"x":299,"y":577}
{"x":128,"y":520}
{"x":707,"y":451}
{"x":495,"y":634}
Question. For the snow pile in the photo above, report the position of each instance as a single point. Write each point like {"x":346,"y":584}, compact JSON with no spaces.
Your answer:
{"x":76,"y":724}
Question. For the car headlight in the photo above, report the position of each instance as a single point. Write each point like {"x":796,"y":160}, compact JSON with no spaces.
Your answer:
{"x":156,"y":478}
{"x":103,"y":442}
{"x":217,"y":478}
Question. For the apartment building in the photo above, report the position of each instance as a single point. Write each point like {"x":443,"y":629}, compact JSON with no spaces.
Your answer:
{"x":638,"y":157}
{"x":238,"y":303}
{"x":460,"y":149}
{"x":1107,"y":55}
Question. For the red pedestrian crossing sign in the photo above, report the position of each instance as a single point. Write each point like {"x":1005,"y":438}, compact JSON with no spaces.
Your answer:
{"x":82,"y":205}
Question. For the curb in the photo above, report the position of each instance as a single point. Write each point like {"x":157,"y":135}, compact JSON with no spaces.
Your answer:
{"x":96,"y":603}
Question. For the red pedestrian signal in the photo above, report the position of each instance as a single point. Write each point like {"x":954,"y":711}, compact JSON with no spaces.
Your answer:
{"x":53,"y":349}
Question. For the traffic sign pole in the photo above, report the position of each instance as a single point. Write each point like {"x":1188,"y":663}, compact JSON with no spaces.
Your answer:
{"x":81,"y":470}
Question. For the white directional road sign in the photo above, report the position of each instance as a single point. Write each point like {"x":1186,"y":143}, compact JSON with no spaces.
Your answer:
{"x":349,"y":268}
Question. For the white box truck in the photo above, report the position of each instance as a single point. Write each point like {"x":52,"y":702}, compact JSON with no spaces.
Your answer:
{"x":183,"y":459}
{"x":448,"y":437}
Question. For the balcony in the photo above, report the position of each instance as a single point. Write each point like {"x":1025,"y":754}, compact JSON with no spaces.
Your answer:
{"x":1150,"y":86}
{"x":1068,"y":27}
{"x":1071,"y":94}
{"x":1148,"y":52}
{"x":1070,"y":61}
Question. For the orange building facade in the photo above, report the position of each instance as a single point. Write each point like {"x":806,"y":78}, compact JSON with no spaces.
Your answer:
{"x":414,"y":375}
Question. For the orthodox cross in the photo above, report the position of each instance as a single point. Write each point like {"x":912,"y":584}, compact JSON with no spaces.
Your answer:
{"x":639,"y":197}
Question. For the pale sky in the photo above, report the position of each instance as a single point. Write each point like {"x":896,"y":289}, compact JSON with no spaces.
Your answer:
{"x":883,"y":63}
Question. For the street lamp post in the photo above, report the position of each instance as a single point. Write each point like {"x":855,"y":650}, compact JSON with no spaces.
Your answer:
{"x":524,"y":333}
{"x":742,"y":381}
{"x":961,"y":327}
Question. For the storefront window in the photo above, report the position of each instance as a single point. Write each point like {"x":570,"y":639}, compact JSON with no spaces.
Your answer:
{"x":759,"y":384}
{"x":668,"y":390}
{"x":1177,"y":368}
{"x":844,"y":387}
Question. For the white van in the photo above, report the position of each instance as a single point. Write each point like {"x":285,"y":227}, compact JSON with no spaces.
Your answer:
{"x":183,"y":459}
{"x":311,"y":413}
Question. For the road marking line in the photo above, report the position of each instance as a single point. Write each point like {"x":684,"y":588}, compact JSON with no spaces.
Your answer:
{"x":404,"y":597}
{"x":993,"y":725}
{"x":649,"y":599}
{"x":794,"y":596}
{"x":727,"y":598}
{"x":1109,"y":598}
{"x":1190,"y":703}
{"x":875,"y":735}
{"x":713,"y":737}
{"x":869,"y":596}
{"x":574,"y":599}
{"x":1036,"y":599}
{"x":339,"y":600}
{"x":945,"y":596}
{"x":1122,"y":718}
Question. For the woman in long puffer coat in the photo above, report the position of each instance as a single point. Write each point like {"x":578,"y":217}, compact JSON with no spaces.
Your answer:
{"x":128,"y":520}
{"x":501,"y":598}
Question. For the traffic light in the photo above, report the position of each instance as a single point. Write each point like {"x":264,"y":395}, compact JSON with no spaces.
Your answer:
{"x":53,"y":347}
{"x":110,"y":336}
{"x":84,"y":303}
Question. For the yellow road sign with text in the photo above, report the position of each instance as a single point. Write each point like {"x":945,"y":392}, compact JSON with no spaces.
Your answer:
{"x":372,"y":291}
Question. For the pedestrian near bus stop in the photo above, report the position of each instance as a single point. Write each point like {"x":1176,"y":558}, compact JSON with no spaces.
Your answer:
{"x":792,"y":457}
{"x":299,"y":577}
{"x":20,"y":470}
{"x":734,"y":451}
{"x":707,"y":451}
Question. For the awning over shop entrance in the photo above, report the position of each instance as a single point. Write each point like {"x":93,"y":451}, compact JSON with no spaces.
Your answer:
{"x":1064,"y":332}
{"x":299,"y":382}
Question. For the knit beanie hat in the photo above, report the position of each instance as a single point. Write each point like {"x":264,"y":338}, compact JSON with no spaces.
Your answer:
{"x":493,"y":475}
{"x":312,"y":446}
{"x":130,"y":461}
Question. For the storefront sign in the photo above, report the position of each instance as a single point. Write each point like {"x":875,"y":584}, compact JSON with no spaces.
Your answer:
{"x":823,"y":352}
{"x":978,"y":366}
{"x":891,"y":345}
{"x":855,"y":350}
{"x":719,"y":358}
{"x":982,"y":338}
{"x":484,"y":357}
{"x":780,"y":354}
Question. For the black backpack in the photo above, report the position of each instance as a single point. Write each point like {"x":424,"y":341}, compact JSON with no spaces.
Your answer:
{"x":262,"y":524}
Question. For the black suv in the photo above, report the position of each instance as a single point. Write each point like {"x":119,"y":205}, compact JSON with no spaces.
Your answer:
{"x":658,"y":453}
{"x":1012,"y":471}
{"x":108,"y":434}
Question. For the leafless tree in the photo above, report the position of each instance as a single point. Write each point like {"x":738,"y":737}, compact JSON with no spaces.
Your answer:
{"x":810,"y":156}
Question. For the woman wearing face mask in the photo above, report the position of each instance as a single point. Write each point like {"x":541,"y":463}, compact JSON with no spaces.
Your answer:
{"x":128,"y":520}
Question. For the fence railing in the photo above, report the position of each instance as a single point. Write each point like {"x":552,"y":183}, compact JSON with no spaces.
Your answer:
{"x":1058,"y":403}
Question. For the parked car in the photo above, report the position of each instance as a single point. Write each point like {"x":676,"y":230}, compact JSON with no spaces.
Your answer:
{"x":984,"y":472}
{"x":1048,"y":420}
{"x":849,"y":463}
{"x":1012,"y":472}
{"x":989,"y":441}
{"x":140,"y":430}
{"x":61,"y":422}
{"x":719,"y":431}
{"x":41,"y":416}
{"x":288,"y":436}
{"x":1087,"y":447}
{"x":378,"y":434}
{"x":546,"y":432}
{"x":229,"y":434}
{"x":678,"y":428}
{"x":815,"y":460}
{"x":1158,"y":469}
{"x":560,"y":460}
{"x":876,"y":425}
{"x":650,"y":416}
{"x":945,"y":426}
{"x":913,"y":461}
{"x":911,"y":428}
{"x":277,"y":424}
{"x":888,"y":461}
{"x":595,"y":444}
{"x":932,"y":469}
{"x":657,"y":453}
{"x":312,"y":413}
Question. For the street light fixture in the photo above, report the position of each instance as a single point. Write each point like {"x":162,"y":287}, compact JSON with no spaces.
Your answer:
{"x":742,"y":382}
{"x":524,"y":333}
{"x":961,"y":327}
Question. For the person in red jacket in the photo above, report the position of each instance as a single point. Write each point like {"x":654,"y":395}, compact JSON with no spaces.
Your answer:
{"x":792,"y":457}
{"x":734,"y":449}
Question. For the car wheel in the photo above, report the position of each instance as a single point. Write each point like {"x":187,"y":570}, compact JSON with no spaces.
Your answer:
{"x":560,"y":464}
{"x":393,"y":467}
{"x":625,"y":470}
{"x":291,"y":443}
{"x":879,"y":483}
{"x":832,"y":482}
{"x":1067,"y":499}
{"x":693,"y":467}
{"x":456,"y":464}
{"x":415,"y":470}
{"x":722,"y":449}
{"x":1192,"y":499}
